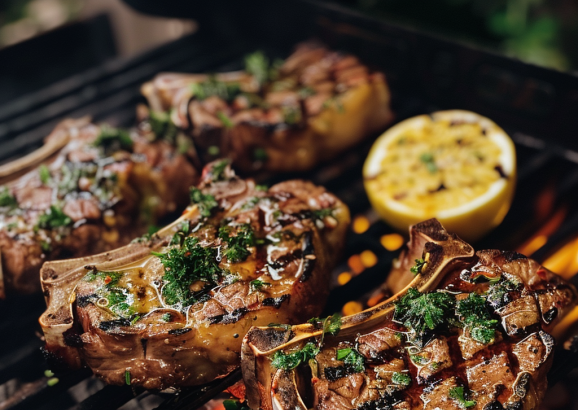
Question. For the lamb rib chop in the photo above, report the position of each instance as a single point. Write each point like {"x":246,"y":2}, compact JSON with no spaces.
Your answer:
{"x":287,"y":117}
{"x":469,"y":330}
{"x":87,"y":190}
{"x":171,"y":310}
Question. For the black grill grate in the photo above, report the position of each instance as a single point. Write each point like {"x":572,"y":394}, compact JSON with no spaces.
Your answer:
{"x":425,"y":74}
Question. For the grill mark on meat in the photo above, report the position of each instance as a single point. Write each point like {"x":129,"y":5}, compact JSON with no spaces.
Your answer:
{"x":308,"y":264}
{"x":178,"y":332}
{"x":228,"y":318}
{"x":109,"y":325}
{"x":275,"y":302}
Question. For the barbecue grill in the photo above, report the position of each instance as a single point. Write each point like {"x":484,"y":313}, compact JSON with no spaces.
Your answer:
{"x":534,"y":105}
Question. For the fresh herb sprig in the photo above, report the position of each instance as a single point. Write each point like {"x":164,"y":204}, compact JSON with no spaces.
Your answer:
{"x":415,"y":269}
{"x":402,"y":379}
{"x":113,"y":139}
{"x":475,"y":316}
{"x":289,"y":361}
{"x":7,"y":200}
{"x":422,"y":311}
{"x":188,"y":264}
{"x":238,"y":244}
{"x":353,"y":360}
{"x":53,"y":218}
{"x":214,"y":87}
{"x":205,"y":202}
{"x":458,"y":393}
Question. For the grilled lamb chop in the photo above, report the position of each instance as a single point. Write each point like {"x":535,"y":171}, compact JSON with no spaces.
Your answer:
{"x":97,"y":191}
{"x":172,"y":310}
{"x":470,"y":330}
{"x":313,"y":106}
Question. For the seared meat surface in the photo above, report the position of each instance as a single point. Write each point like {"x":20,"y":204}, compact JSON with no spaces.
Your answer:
{"x":467,"y":330}
{"x":285,"y":116}
{"x":103,"y":188}
{"x":171,"y":310}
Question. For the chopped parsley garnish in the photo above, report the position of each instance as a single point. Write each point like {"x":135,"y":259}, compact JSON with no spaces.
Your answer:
{"x":53,"y":218}
{"x":475,"y":316}
{"x":44,"y":173}
{"x":188,"y":264}
{"x":415,"y":269}
{"x":134,"y":319}
{"x":332,"y":324}
{"x":419,"y":360}
{"x":497,"y":295}
{"x":289,"y":361}
{"x":7,"y":199}
{"x":458,"y":393}
{"x":213,"y":150}
{"x":401,"y":378}
{"x":218,"y":170}
{"x":162,"y":126}
{"x":262,"y":188}
{"x":306,"y":92}
{"x":214,"y":87}
{"x":258,"y":284}
{"x":421,"y":311}
{"x":291,"y":115}
{"x":354,"y":361}
{"x":166,"y":317}
{"x":113,"y":139}
{"x":234,"y":405}
{"x":236,"y":250}
{"x":205,"y":202}
{"x":110,"y":278}
{"x":251,"y":202}
{"x":118,"y":302}
{"x":226,"y":121}
{"x":428,"y":160}
{"x":259,"y":154}
{"x":257,"y":64}
{"x":181,"y":234}
{"x":127,"y":377}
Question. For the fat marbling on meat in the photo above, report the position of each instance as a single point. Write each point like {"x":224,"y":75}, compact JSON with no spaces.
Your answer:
{"x":171,"y":310}
{"x":466,"y":330}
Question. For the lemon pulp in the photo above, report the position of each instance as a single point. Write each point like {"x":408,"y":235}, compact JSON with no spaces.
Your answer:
{"x":456,"y":166}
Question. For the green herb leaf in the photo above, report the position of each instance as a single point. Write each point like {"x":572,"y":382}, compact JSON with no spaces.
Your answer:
{"x":205,"y":202}
{"x":343,"y":353}
{"x":181,"y":234}
{"x":127,"y":377}
{"x":332,"y":324}
{"x":421,"y":311}
{"x":402,"y":379}
{"x":258,"y":284}
{"x":113,"y":139}
{"x":457,"y":393}
{"x":236,"y":250}
{"x":234,"y":405}
{"x":214,"y":87}
{"x":188,"y":264}
{"x":354,"y":360}
{"x":166,"y":317}
{"x":226,"y":121}
{"x":257,"y":64}
{"x":44,"y":174}
{"x":419,"y":360}
{"x":162,"y":126}
{"x":497,"y":296}
{"x":53,"y":218}
{"x":476,"y":317}
{"x":288,"y":361}
{"x":429,"y":161}
{"x":262,"y":188}
{"x":415,"y":269}
{"x":259,"y":154}
{"x":7,"y":199}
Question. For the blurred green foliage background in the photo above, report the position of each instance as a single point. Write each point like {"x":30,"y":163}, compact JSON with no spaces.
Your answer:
{"x":543,"y":32}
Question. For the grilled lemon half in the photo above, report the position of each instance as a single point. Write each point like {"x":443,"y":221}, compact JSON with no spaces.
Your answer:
{"x":456,"y":166}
